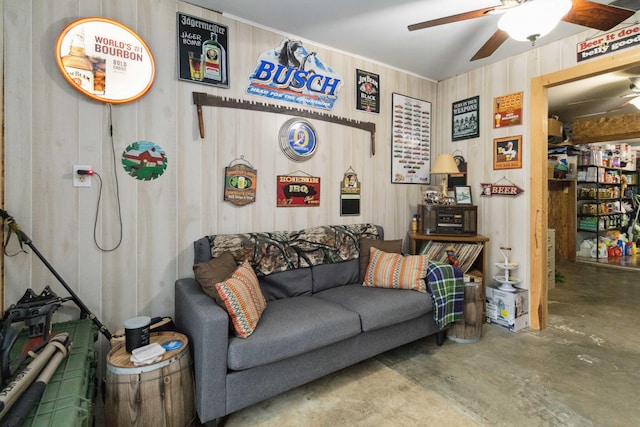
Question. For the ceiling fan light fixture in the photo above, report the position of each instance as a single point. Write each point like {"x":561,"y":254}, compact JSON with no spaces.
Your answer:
{"x":533,"y":19}
{"x":635,"y":102}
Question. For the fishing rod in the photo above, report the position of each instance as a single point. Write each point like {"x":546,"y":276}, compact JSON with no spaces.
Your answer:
{"x":21,"y":382}
{"x":23,"y":238}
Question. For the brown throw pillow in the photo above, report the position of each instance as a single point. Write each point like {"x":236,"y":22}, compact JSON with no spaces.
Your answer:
{"x":389,"y":246}
{"x":215,"y":271}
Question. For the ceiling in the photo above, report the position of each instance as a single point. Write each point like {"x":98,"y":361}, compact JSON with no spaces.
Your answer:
{"x":377,"y":30}
{"x":603,"y":95}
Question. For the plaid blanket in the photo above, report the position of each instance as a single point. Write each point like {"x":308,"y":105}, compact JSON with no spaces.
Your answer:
{"x":446,"y":286}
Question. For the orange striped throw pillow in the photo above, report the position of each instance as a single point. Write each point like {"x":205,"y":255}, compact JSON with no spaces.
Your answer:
{"x":243,"y":299}
{"x":387,"y":270}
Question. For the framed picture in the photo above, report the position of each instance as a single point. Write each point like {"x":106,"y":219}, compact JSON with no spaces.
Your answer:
{"x":411,"y":140}
{"x":203,"y":49}
{"x":465,"y":123}
{"x":507,"y":110}
{"x":507,"y":153}
{"x":367,"y":91}
{"x":463,"y":195}
{"x":455,"y":179}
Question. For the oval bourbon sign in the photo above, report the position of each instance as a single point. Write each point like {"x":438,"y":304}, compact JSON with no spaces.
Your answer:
{"x":105,"y":60}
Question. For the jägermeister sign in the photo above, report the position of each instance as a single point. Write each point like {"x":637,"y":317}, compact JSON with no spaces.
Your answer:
{"x":203,"y":51}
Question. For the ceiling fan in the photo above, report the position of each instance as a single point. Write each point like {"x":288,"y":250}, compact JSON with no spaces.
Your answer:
{"x":632,"y":98}
{"x":582,"y":12}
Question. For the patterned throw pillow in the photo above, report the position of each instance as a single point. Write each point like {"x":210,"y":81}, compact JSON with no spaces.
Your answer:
{"x":395,"y":271}
{"x":394,"y":246}
{"x":243,"y":299}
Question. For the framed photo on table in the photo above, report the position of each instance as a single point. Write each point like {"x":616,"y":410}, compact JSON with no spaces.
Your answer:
{"x":463,"y":195}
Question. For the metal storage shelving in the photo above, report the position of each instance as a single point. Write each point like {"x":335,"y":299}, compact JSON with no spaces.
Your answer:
{"x":599,"y":201}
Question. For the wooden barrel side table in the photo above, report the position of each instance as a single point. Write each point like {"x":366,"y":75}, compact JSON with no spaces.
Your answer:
{"x":469,"y":329}
{"x":158,"y":394}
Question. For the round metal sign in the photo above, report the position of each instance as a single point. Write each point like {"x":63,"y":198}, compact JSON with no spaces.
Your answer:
{"x":298,"y":139}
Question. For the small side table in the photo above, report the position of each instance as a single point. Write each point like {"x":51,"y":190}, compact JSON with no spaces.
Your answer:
{"x":159,"y":394}
{"x":469,"y":329}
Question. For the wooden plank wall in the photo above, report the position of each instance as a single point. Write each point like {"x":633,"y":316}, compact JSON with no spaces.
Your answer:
{"x":49,"y":127}
{"x":562,"y":217}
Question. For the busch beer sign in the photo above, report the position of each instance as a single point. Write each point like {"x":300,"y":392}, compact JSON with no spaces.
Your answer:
{"x":289,"y":73}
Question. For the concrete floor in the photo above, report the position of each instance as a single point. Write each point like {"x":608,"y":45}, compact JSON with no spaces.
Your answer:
{"x":583,"y":370}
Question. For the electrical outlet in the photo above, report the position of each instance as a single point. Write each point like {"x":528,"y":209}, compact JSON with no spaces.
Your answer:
{"x":81,"y":180}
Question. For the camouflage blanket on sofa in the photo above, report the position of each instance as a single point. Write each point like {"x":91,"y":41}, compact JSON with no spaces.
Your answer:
{"x":287,"y":250}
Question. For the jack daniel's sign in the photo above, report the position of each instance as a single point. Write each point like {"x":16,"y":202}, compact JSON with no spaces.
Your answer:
{"x":292,"y":74}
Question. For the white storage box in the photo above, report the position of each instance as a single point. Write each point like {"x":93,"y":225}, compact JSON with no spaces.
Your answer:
{"x":509,"y":310}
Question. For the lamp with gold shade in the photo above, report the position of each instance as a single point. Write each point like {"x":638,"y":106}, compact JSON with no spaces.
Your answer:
{"x":445,"y":165}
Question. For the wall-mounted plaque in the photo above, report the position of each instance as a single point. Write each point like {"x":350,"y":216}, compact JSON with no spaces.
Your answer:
{"x":105,"y":60}
{"x":203,"y":51}
{"x":240,"y":183}
{"x":296,"y":191}
{"x":350,"y":193}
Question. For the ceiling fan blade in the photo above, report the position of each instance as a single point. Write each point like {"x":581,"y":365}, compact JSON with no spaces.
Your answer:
{"x":453,"y":18}
{"x":494,"y":42}
{"x":585,"y":101}
{"x":607,"y":112}
{"x":596,"y":15}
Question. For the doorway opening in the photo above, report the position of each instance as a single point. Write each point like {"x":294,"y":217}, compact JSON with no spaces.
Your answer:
{"x":539,"y":209}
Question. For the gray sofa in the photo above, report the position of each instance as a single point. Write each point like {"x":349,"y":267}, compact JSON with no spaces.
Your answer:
{"x":318,"y":319}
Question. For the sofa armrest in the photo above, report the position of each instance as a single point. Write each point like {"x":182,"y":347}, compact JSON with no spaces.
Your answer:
{"x":206,"y":325}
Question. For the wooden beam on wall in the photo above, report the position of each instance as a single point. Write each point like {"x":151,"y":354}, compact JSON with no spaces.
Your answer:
{"x":538,"y":209}
{"x":613,"y":128}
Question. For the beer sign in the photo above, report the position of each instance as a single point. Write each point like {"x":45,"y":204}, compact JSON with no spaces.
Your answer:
{"x":507,"y":110}
{"x":292,"y":74}
{"x":509,"y":189}
{"x":608,"y":43}
{"x":240,"y":183}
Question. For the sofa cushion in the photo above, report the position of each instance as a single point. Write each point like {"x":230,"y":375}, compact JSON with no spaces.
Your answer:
{"x":243,"y":299}
{"x":201,"y":250}
{"x":273,"y":252}
{"x":287,"y":284}
{"x":395,"y":271}
{"x":379,"y":307}
{"x":290,"y":327}
{"x":327,"y":276}
{"x":390,"y":246}
{"x":214,"y":271}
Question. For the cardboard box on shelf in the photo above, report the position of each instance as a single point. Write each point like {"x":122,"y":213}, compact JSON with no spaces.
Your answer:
{"x":555,"y":127}
{"x":509,"y":310}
